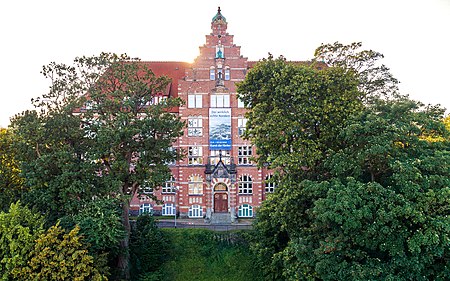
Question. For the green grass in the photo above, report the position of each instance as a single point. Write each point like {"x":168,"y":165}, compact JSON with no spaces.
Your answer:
{"x":200,"y":254}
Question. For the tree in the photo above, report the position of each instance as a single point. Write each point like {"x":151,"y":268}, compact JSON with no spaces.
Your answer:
{"x":148,"y":246}
{"x":60,"y":256}
{"x":377,"y":205}
{"x":101,"y":227}
{"x":11,"y":182}
{"x":375,"y":79}
{"x":383,"y":212}
{"x":99,"y":133}
{"x":296,"y":112}
{"x":19,"y":228}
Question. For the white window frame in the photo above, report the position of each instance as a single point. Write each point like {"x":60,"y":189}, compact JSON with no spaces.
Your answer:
{"x":244,"y":155}
{"x":227,"y":73}
{"x":214,"y":157}
{"x":169,"y":186}
{"x":269,"y":185}
{"x":220,"y":101}
{"x":245,"y":184}
{"x":245,"y":211}
{"x":195,"y":211}
{"x":242,"y":123}
{"x":146,"y":189}
{"x":240,"y":103}
{"x":174,"y":161}
{"x":220,"y":72}
{"x":195,"y":185}
{"x":168,"y":209}
{"x":195,"y":155}
{"x":195,"y":126}
{"x":212,"y":73}
{"x":195,"y":101}
{"x":145,"y":208}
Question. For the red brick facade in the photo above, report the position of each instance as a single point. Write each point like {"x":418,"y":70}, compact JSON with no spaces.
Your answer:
{"x":234,"y":186}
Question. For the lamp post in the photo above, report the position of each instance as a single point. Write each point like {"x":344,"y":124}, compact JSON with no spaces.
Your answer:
{"x":175,"y":189}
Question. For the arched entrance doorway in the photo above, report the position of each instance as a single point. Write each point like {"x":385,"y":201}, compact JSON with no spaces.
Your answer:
{"x":220,"y":198}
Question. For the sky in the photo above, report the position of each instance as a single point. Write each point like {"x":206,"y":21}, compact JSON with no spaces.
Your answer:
{"x":413,"y":35}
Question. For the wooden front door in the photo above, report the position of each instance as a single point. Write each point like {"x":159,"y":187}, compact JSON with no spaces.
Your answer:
{"x":220,"y":202}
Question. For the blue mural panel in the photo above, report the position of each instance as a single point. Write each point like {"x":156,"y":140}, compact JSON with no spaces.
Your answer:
{"x":220,"y":128}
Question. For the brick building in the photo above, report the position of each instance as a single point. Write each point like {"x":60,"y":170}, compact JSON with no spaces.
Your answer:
{"x":217,"y":180}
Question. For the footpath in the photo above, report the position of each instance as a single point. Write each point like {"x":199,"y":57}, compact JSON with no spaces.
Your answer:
{"x":200,"y":223}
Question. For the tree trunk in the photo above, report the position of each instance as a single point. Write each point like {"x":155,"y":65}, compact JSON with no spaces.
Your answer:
{"x":123,"y":262}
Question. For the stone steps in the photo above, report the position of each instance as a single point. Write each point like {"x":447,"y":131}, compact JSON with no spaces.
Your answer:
{"x":220,"y":218}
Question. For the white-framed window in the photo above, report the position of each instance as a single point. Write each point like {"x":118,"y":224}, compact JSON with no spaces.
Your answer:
{"x":214,"y":159}
{"x":212,"y":73}
{"x":156,"y":100}
{"x":245,"y":211}
{"x":245,"y":185}
{"x":195,"y":155}
{"x":145,"y":208}
{"x":174,"y":161}
{"x":220,"y":100}
{"x":194,"y":101}
{"x":269,"y":185}
{"x":169,"y":186}
{"x":195,"y":128}
{"x":219,"y":72}
{"x":240,"y":103}
{"x":195,"y":185}
{"x":244,"y":155}
{"x":168,"y":209}
{"x":242,"y":122}
{"x":195,"y":211}
{"x":88,"y":105}
{"x":227,"y":73}
{"x":146,"y":188}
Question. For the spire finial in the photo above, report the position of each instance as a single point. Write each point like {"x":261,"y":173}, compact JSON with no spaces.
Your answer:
{"x":219,"y":16}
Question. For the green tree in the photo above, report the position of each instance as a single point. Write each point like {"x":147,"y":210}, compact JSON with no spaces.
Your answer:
{"x":296,"y":112}
{"x":148,"y":247}
{"x":383,"y":213}
{"x":375,"y":79}
{"x":376,"y":207}
{"x":98,"y":133}
{"x":60,"y":256}
{"x":11,"y":182}
{"x":19,"y":228}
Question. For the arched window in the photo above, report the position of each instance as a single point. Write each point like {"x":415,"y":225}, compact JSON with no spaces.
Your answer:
{"x":195,"y":185}
{"x":245,"y":211}
{"x":269,"y":185}
{"x":245,"y":185}
{"x":168,"y":209}
{"x":195,"y":211}
{"x":169,"y":186}
{"x":145,"y":208}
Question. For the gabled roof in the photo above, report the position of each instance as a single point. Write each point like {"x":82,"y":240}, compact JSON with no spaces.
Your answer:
{"x":173,"y":69}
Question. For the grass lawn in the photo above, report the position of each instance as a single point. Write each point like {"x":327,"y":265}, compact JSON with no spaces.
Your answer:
{"x":200,"y":254}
